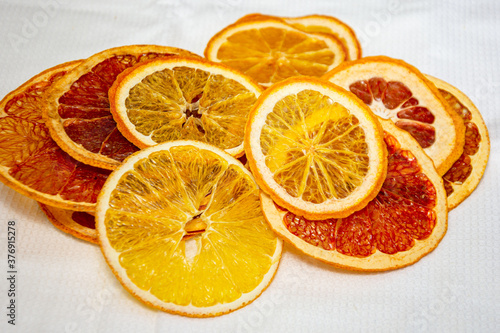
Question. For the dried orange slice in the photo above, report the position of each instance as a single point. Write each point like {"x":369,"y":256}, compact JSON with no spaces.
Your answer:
{"x":31,"y":162}
{"x":405,"y":221}
{"x":465,"y":174}
{"x":181,"y":227}
{"x":332,"y":25}
{"x":79,"y":224}
{"x":269,"y":50}
{"x":323,"y":24}
{"x":315,"y":148}
{"x":398,"y":91}
{"x":181,"y":98}
{"x":77,"y":111}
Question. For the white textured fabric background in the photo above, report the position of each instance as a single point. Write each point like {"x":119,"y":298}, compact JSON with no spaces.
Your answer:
{"x":63,"y":283}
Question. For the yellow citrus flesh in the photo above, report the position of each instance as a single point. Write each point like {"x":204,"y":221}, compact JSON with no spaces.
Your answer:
{"x":314,"y":149}
{"x":183,"y":99}
{"x":305,"y":157}
{"x":181,"y":226}
{"x":270,"y":50}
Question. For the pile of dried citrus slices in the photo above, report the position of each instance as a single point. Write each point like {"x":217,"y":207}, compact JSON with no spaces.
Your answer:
{"x":189,"y":171}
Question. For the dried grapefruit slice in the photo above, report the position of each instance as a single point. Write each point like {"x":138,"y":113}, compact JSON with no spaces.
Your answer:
{"x":398,"y":91}
{"x":315,"y":148}
{"x":31,"y":162}
{"x":406,"y":220}
{"x":466,"y":173}
{"x":181,"y":227}
{"x":77,"y":111}
{"x":270,"y":50}
{"x":183,"y":98}
{"x":323,"y":24}
{"x":79,"y":224}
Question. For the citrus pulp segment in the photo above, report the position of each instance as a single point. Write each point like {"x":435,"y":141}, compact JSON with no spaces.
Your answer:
{"x":270,"y":50}
{"x":31,"y":162}
{"x":181,"y":227}
{"x":315,"y":148}
{"x":77,"y":110}
{"x":403,"y":223}
{"x":398,"y":91}
{"x":183,"y":98}
{"x":466,"y":173}
{"x":79,"y":224}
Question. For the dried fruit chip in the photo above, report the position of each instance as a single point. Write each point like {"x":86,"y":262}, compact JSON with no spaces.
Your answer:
{"x":181,"y":227}
{"x":397,"y":91}
{"x":77,"y":110}
{"x":315,"y":148}
{"x":466,"y":173}
{"x":31,"y":162}
{"x":270,"y":50}
{"x":182,"y":98}
{"x":403,"y":223}
{"x":79,"y":224}
{"x":321,"y":24}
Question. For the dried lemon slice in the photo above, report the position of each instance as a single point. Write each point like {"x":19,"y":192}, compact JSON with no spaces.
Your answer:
{"x":181,"y":227}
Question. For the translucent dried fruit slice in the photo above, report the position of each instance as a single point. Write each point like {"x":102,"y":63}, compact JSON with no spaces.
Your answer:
{"x":183,"y":98}
{"x":398,"y":91}
{"x":466,"y":173}
{"x":322,"y":24}
{"x":181,"y":227}
{"x":332,"y":25}
{"x":31,"y":162}
{"x":79,"y":224}
{"x":315,"y":148}
{"x":270,"y":50}
{"x":77,"y":110}
{"x":403,"y":223}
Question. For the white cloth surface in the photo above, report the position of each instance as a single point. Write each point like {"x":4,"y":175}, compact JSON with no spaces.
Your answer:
{"x":64,"y":284}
